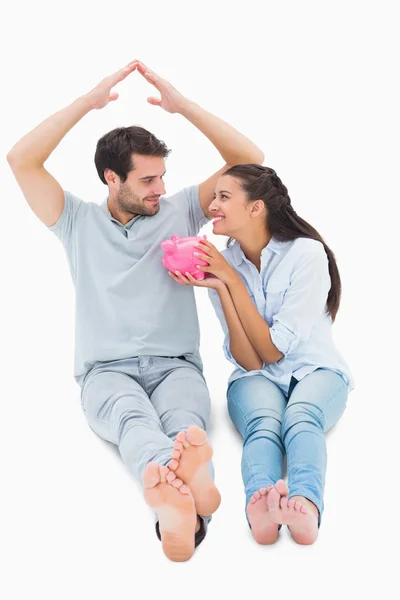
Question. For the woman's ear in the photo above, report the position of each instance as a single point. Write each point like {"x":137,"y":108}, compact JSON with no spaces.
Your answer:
{"x":257,"y":207}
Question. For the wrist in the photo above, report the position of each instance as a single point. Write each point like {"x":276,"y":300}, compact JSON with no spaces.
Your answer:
{"x":234,"y":280}
{"x":186,"y":107}
{"x":222,"y":290}
{"x":87,"y":102}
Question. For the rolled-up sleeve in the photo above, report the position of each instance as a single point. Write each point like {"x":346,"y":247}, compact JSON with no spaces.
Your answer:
{"x":304,"y":301}
{"x":215,"y":301}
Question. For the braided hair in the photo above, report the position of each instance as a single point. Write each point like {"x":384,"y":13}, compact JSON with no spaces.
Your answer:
{"x":284,"y":224}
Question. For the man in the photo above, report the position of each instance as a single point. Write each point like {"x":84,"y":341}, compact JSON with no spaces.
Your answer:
{"x":137,"y":334}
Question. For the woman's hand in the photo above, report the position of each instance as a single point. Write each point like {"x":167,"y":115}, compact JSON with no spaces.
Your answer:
{"x":209,"y":282}
{"x":101,"y":95}
{"x":171,"y":100}
{"x":218,"y":265}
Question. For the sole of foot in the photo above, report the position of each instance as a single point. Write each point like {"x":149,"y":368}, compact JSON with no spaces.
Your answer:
{"x":174,"y":504}
{"x":296,"y":512}
{"x":189,"y":461}
{"x":263,"y":529}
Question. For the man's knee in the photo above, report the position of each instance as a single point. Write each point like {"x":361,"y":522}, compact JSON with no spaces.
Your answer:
{"x":178,"y":419}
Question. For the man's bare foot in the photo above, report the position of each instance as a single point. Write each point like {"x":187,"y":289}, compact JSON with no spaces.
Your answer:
{"x":190,"y":459}
{"x":174,"y":504}
{"x":297,"y":512}
{"x":263,"y":529}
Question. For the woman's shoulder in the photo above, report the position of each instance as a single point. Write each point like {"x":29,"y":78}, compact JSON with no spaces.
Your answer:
{"x":305,"y":245}
{"x":301,"y":252}
{"x":305,"y":252}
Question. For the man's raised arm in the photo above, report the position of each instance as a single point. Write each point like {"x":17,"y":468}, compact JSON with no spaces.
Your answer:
{"x":234,"y":147}
{"x":43,"y":193}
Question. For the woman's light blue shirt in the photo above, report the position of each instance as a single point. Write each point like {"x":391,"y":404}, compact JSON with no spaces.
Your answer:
{"x":290,"y":293}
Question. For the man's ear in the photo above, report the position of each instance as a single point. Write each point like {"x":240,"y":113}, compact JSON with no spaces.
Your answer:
{"x":110,"y":176}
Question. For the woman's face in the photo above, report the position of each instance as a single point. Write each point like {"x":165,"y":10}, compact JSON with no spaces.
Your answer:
{"x":230,"y":207}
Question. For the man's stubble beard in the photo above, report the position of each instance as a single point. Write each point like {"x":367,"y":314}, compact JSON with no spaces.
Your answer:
{"x":129,"y":203}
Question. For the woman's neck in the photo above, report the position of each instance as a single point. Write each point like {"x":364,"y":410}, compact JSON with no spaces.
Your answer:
{"x":252,"y":244}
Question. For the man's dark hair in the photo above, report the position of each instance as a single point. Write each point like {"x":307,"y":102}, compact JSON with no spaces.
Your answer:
{"x":114,"y":150}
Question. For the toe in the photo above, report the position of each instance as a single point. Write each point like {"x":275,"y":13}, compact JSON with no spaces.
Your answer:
{"x":181,"y":437}
{"x":196,"y":436}
{"x":163,"y":474}
{"x":284,"y":502}
{"x":178,"y":446}
{"x":151,"y":475}
{"x":175,"y":454}
{"x":173,"y":464}
{"x":273,"y":500}
{"x":170,"y":476}
{"x":282,"y":487}
{"x":177,"y":483}
{"x":184,"y":489}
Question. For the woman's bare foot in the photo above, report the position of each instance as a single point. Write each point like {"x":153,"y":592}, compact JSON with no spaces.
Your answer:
{"x":174,"y":504}
{"x":190,"y":457}
{"x":263,"y":529}
{"x":297,"y":512}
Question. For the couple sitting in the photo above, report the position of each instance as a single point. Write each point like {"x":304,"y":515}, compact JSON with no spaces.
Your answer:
{"x":275,"y":289}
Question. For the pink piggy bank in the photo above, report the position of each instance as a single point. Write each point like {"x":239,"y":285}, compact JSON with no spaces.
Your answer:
{"x":179,"y":255}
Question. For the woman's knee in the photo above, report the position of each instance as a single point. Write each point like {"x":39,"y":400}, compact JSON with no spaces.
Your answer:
{"x":302,"y":416}
{"x":263,"y":425}
{"x":253,"y":401}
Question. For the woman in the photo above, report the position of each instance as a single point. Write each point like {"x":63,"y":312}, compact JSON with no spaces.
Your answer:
{"x":276,"y":291}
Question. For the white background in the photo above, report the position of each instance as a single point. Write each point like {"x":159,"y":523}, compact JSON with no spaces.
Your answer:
{"x":313,"y":84}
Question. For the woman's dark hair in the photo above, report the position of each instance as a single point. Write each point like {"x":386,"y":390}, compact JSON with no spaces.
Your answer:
{"x":114,"y":150}
{"x":262,"y":183}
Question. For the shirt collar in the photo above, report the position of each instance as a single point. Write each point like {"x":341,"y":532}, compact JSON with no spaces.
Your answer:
{"x":104,"y":206}
{"x":238,"y":254}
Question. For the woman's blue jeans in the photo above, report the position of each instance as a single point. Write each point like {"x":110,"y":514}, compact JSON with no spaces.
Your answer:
{"x":272,"y":423}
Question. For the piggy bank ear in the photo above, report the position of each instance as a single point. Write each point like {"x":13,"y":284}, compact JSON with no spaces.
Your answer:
{"x":167,"y":245}
{"x":174,"y":238}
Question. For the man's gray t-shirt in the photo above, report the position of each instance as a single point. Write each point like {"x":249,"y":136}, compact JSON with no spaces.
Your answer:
{"x":126,"y":303}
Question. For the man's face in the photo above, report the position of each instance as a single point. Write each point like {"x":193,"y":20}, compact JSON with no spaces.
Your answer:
{"x":140,"y":193}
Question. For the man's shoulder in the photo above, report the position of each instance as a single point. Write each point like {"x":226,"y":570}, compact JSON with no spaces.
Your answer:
{"x":76,"y":210}
{"x":78,"y":202}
